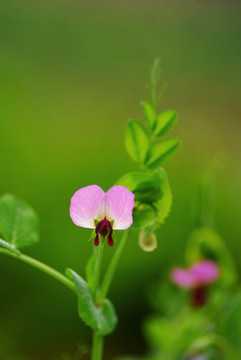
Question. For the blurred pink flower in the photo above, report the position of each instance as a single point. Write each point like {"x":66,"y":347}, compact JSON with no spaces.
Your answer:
{"x":92,"y":208}
{"x":196,"y":278}
{"x":200,"y":274}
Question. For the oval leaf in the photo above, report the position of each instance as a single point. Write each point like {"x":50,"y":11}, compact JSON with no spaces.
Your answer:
{"x":161,"y":151}
{"x":165,"y":122}
{"x":102,"y":317}
{"x":137,"y":141}
{"x":150,"y":115}
{"x":19,"y":223}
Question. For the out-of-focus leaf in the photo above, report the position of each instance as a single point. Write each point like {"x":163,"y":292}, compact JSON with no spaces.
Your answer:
{"x":137,"y":141}
{"x":101,"y":318}
{"x":5,"y":245}
{"x":165,"y":122}
{"x":173,"y":338}
{"x":206,"y":243}
{"x":161,"y":151}
{"x":229,"y":324}
{"x":150,"y":115}
{"x":19,"y":223}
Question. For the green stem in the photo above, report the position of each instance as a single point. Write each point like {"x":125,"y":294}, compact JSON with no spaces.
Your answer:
{"x":41,"y":266}
{"x":98,"y":268}
{"x":112,"y":267}
{"x":97,"y":347}
{"x":98,"y":340}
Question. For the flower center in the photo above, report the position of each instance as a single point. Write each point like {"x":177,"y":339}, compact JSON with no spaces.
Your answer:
{"x":103,"y":228}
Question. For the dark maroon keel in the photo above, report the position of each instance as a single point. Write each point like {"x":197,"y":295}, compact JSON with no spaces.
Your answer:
{"x":199,"y":297}
{"x":103,"y":228}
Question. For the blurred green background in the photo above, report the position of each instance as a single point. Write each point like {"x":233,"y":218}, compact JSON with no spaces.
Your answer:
{"x":71,"y":74}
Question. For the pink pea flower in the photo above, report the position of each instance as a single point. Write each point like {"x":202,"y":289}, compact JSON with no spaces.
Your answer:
{"x":196,"y":278}
{"x":92,"y":208}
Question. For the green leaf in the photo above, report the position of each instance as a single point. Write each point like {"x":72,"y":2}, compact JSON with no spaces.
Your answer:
{"x":19,"y":224}
{"x":153,"y":197}
{"x":165,"y":122}
{"x":146,"y":218}
{"x":9,"y":247}
{"x":137,"y":141}
{"x":150,"y":115}
{"x":161,"y":151}
{"x":145,"y":185}
{"x":101,"y":318}
{"x":229,"y":324}
{"x":164,"y":205}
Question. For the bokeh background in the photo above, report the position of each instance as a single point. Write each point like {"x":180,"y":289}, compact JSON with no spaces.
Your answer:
{"x":71,"y":74}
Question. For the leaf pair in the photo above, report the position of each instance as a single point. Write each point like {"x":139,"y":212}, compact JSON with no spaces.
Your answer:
{"x":140,"y":147}
{"x":101,"y":318}
{"x":19,"y":224}
{"x":159,"y":125}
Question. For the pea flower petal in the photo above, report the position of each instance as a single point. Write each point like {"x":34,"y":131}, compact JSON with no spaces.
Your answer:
{"x":182,"y":277}
{"x":205,"y":272}
{"x":199,"y":275}
{"x":119,"y":206}
{"x":87,"y":204}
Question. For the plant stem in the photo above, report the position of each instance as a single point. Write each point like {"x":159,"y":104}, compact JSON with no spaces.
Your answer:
{"x":98,"y":268}
{"x":98,"y":340}
{"x":97,"y":346}
{"x":43,"y":267}
{"x":112,"y":267}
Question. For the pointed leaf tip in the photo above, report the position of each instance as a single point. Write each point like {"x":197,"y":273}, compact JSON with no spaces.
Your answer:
{"x":150,"y":115}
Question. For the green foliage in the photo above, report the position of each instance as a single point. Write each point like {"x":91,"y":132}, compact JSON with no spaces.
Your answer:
{"x":153,"y":197}
{"x":176,"y":338}
{"x":100,"y":317}
{"x":150,"y":116}
{"x":145,"y":147}
{"x":152,"y":191}
{"x":178,"y":331}
{"x":165,"y":122}
{"x":161,"y":151}
{"x":137,"y":141}
{"x":229,"y":324}
{"x":19,"y":224}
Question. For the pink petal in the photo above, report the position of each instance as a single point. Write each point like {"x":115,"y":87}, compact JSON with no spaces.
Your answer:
{"x":205,"y":272}
{"x":183,"y":278}
{"x":87,"y":204}
{"x":119,"y":207}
